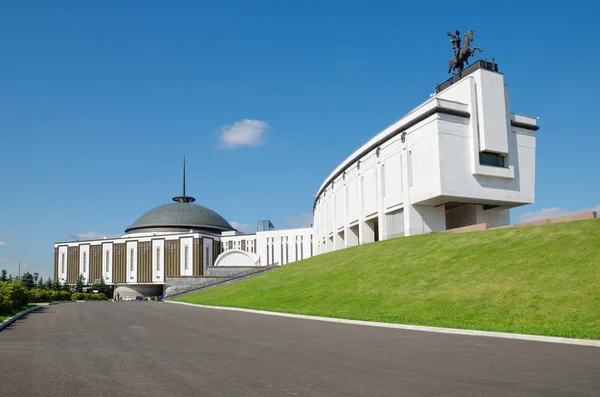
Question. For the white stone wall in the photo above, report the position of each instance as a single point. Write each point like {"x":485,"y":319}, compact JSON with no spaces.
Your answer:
{"x":275,"y":247}
{"x":389,"y":184}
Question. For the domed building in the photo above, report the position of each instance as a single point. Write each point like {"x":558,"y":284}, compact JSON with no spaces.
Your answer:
{"x":174,"y":244}
{"x":179,"y":217}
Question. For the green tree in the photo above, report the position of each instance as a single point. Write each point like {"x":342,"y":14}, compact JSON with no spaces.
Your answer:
{"x":41,"y":284}
{"x":3,"y":276}
{"x":10,"y":277}
{"x":49,"y":284}
{"x":27,"y":280}
{"x":99,"y":286}
{"x":79,"y":285}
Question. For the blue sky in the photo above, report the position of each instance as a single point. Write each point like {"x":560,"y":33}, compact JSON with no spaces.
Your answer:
{"x":100,"y":100}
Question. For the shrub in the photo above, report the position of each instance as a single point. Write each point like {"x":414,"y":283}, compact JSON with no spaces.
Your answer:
{"x":40,"y":295}
{"x":77,"y":296}
{"x":13,"y":295}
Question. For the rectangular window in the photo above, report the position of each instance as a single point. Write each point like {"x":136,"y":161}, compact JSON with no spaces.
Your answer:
{"x":131,"y":258}
{"x":158,"y":258}
{"x":491,"y":159}
{"x":311,"y":244}
{"x":301,"y":247}
{"x":107,"y":260}
{"x":85,"y":262}
{"x":62,"y":263}
{"x":186,"y":251}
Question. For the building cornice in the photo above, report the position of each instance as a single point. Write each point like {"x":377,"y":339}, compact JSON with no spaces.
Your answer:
{"x":402,"y":128}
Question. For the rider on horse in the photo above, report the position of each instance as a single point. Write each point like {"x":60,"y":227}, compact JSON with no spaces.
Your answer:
{"x":455,"y":40}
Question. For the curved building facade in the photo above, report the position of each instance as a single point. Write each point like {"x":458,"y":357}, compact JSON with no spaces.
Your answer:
{"x":459,"y":159}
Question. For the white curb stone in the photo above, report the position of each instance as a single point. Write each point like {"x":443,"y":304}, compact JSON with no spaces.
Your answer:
{"x":17,"y":316}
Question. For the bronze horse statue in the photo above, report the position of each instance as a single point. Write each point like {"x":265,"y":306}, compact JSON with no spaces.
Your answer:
{"x":457,"y":61}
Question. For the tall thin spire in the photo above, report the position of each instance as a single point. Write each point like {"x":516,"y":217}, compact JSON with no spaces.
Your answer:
{"x":184,"y":198}
{"x":184,"y":175}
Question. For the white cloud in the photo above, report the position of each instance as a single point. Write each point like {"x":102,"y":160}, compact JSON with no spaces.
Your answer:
{"x":3,"y":244}
{"x":304,"y":220}
{"x":244,"y":133}
{"x":241,"y":226}
{"x":93,"y":235}
{"x":554,"y":212}
{"x":7,"y":232}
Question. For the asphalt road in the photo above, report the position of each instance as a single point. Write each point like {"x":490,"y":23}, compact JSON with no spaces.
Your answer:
{"x":159,"y":349}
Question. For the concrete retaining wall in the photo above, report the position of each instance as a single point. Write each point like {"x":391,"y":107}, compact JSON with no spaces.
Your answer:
{"x":471,"y":228}
{"x":567,"y":218}
{"x":176,"y":285}
{"x":225,"y":281}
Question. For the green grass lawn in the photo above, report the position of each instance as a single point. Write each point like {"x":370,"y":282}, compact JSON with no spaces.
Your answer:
{"x":541,"y":280}
{"x":16,"y":311}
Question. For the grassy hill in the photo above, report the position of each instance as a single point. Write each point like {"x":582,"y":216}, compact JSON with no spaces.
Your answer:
{"x":539,"y":280}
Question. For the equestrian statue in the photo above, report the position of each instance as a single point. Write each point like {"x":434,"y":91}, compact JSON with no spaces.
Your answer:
{"x":461,"y":52}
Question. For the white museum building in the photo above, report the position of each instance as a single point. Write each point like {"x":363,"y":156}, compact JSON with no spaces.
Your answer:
{"x":460,"y":158}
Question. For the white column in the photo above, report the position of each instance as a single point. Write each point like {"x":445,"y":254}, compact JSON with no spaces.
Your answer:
{"x":84,"y":263}
{"x":186,"y":255}
{"x":131,"y":261}
{"x":107,"y":262}
{"x":158,"y":261}
{"x":62,"y":264}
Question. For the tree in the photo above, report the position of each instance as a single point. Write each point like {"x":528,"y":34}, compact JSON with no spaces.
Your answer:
{"x":79,"y":285}
{"x":27,"y":280}
{"x":10,"y":277}
{"x":3,"y":276}
{"x":100,"y":286}
{"x":49,"y":284}
{"x":41,"y":284}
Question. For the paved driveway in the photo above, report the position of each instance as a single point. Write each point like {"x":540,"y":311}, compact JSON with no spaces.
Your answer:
{"x":159,"y":349}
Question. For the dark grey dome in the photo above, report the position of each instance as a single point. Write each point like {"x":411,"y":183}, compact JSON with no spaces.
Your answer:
{"x":180,"y":217}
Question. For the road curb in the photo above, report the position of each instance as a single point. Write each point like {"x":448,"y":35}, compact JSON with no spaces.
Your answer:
{"x":17,"y":316}
{"x":455,"y":331}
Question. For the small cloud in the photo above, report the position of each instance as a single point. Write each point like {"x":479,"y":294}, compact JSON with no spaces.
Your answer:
{"x":93,"y":236}
{"x":304,"y":220}
{"x":241,"y":226}
{"x":7,"y":232}
{"x":546,"y":213}
{"x":3,"y":244}
{"x":244,"y":133}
